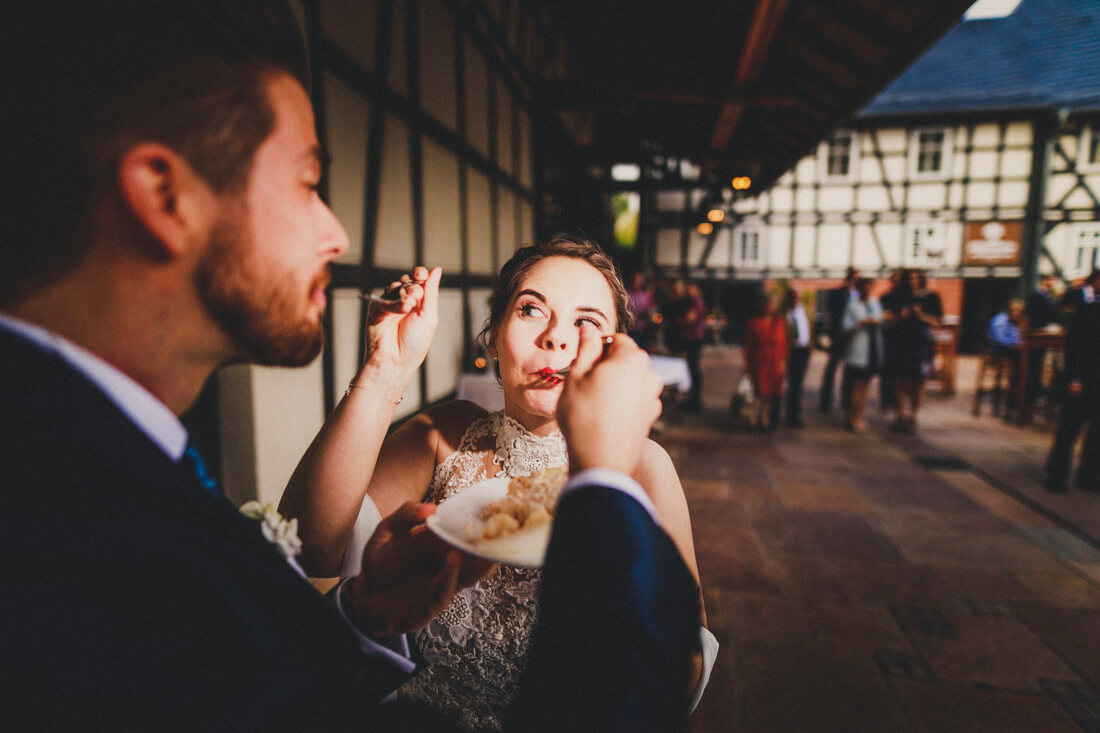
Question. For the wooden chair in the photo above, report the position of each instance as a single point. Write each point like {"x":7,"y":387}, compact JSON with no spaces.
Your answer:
{"x":995,"y":381}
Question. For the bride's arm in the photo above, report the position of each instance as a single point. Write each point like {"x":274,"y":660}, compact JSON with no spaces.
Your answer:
{"x":657,"y":475}
{"x":327,"y":488}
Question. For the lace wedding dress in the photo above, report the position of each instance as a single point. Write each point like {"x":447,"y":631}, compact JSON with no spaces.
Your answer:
{"x":476,"y":648}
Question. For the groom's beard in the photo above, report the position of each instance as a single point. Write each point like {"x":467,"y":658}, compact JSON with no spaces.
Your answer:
{"x":265,"y":312}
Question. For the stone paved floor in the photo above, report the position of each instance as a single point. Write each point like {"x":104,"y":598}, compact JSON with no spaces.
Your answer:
{"x":875,"y":582}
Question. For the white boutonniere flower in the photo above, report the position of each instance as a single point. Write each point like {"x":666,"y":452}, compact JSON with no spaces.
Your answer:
{"x":278,"y":530}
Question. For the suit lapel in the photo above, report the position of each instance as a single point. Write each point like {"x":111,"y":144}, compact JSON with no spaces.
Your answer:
{"x":51,"y":404}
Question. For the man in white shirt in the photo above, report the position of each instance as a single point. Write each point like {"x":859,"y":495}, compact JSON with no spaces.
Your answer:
{"x":165,"y":222}
{"x":798,"y":355}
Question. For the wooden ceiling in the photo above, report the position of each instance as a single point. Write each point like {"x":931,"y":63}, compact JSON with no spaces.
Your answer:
{"x":744,"y":87}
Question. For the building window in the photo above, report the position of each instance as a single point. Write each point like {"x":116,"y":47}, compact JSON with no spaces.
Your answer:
{"x":748,"y":246}
{"x":924,"y":243}
{"x":839,"y":156}
{"x":930,"y":153}
{"x":1085,"y":250}
{"x":1089,"y":156}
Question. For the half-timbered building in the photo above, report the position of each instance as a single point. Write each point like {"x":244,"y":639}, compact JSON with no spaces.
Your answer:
{"x":980,"y":164}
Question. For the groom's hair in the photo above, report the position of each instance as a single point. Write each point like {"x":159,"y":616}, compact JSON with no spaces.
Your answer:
{"x":514,"y":270}
{"x":87,"y":81}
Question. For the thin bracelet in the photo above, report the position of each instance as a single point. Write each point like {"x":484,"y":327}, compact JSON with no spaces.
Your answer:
{"x":352,"y":385}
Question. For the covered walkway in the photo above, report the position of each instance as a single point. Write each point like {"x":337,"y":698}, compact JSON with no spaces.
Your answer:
{"x":886,"y":583}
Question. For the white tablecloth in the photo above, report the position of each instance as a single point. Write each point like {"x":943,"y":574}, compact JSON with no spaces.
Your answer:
{"x":484,"y":389}
{"x":481,"y":388}
{"x":672,"y":370}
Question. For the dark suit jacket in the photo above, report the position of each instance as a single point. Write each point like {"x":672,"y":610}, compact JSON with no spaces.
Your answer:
{"x":1041,"y":309}
{"x":1083,"y":347}
{"x":132,"y":599}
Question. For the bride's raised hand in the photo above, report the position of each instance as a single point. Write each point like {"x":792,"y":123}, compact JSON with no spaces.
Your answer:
{"x":400,"y":329}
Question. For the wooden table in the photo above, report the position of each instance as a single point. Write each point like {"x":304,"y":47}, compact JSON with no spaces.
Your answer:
{"x":1031,"y":339}
{"x":946,"y":339}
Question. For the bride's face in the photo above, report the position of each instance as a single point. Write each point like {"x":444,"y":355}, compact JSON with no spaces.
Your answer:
{"x":557,"y":298}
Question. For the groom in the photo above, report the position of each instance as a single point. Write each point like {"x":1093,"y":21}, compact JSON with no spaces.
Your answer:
{"x":160,"y":221}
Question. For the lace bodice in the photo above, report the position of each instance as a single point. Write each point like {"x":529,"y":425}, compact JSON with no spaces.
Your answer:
{"x":475,"y":649}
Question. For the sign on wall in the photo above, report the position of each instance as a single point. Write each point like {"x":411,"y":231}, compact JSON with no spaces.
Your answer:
{"x":992,"y":242}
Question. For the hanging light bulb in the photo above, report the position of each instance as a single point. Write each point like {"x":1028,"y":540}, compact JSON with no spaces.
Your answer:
{"x":705,"y":228}
{"x":716,"y":215}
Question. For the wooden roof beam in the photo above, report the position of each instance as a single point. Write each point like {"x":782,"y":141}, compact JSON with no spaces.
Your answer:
{"x":761,"y":36}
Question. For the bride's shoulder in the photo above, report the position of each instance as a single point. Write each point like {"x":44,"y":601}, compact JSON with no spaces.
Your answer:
{"x":654,"y":456}
{"x":656,"y":472}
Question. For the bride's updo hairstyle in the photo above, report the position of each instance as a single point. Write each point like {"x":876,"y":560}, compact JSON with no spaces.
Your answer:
{"x":514,"y":270}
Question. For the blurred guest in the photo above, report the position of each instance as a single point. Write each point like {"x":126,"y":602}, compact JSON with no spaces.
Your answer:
{"x":1081,"y":405}
{"x":914,"y":349}
{"x":642,"y":307}
{"x":1004,"y":330}
{"x":685,"y":330}
{"x":1086,"y":292}
{"x":836,"y":302}
{"x":798,"y":354}
{"x":893,"y":301}
{"x":863,"y":327}
{"x":766,"y":360}
{"x":1005,"y":341}
{"x":1041,"y":311}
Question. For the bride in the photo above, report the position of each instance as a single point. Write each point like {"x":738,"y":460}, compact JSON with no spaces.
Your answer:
{"x":546,"y":295}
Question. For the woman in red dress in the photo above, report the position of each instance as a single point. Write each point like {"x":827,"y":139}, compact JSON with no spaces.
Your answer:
{"x":766,"y":360}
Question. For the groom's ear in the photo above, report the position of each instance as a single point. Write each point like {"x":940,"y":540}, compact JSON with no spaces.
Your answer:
{"x":169,"y":199}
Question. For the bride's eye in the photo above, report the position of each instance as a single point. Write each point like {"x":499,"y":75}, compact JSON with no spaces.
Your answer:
{"x":529,"y":309}
{"x":586,"y":319}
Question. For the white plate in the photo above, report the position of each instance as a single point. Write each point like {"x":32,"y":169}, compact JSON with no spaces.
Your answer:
{"x":458,"y":522}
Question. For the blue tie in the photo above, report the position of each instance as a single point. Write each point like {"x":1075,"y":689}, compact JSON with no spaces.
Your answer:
{"x":192,"y":460}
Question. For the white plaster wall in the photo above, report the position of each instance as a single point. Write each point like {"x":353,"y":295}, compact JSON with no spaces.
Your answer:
{"x":986,"y":135}
{"x":1013,"y":194}
{"x":442,"y":220}
{"x":444,"y":362}
{"x":350,"y":24}
{"x":836,"y":198}
{"x":506,"y":224}
{"x":832,"y":247}
{"x":864,"y":253}
{"x":782,"y":199}
{"x":926,"y":196}
{"x":803,"y":245}
{"x":347,"y":115}
{"x":779,"y":246}
{"x":393,"y":246}
{"x":671,"y":200}
{"x":437,"y":66}
{"x":983,"y":164}
{"x":504,"y":129}
{"x":478,"y":223}
{"x":668,"y":247}
{"x":398,"y":76}
{"x":981,"y":194}
{"x":1016,"y":164}
{"x":720,"y":253}
{"x":346,"y":356}
{"x":805,"y":199}
{"x":1019,"y":134}
{"x":696,"y":244}
{"x":477,"y":98}
{"x":288,"y":411}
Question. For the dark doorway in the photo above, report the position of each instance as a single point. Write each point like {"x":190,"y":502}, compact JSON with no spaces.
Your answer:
{"x":982,"y":299}
{"x":736,"y":299}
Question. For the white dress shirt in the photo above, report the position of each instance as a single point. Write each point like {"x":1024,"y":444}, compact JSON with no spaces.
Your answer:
{"x":797,"y":315}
